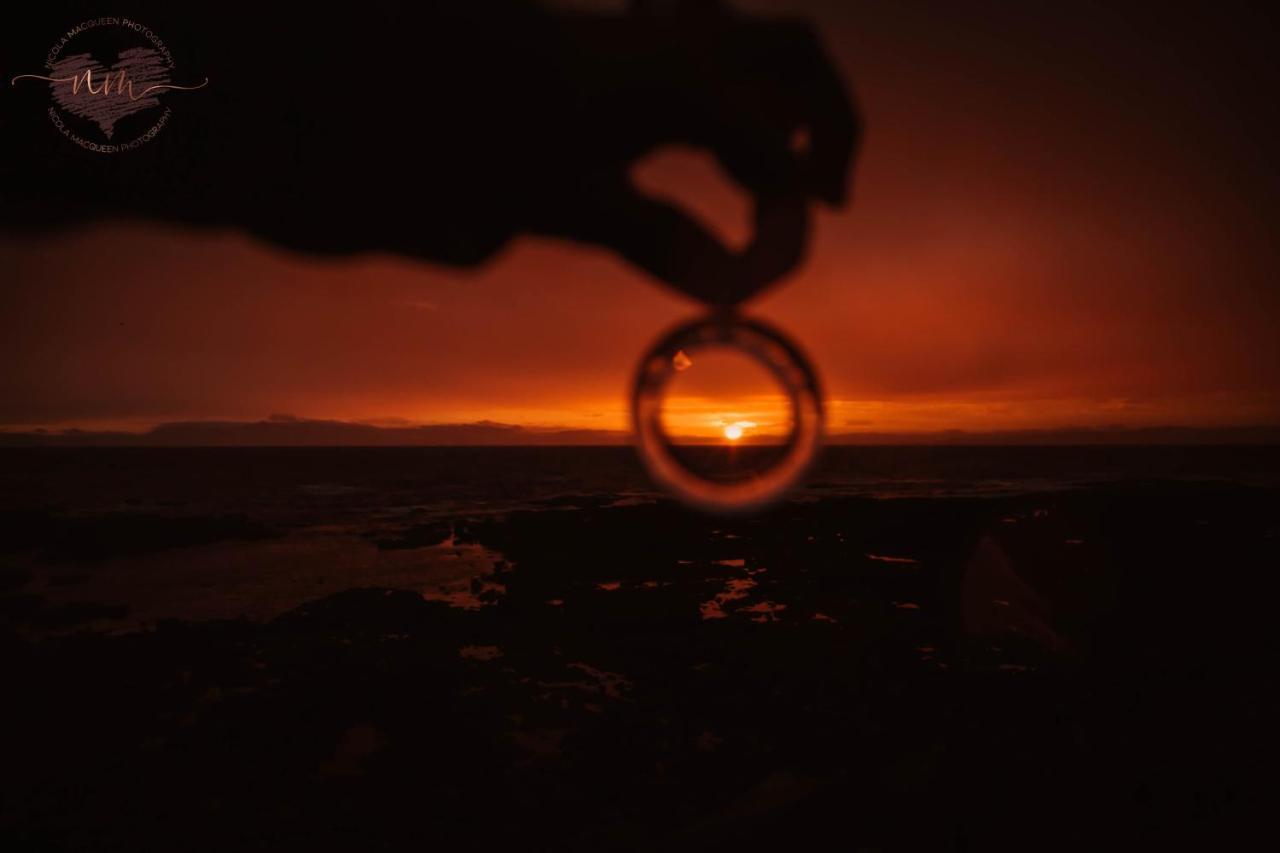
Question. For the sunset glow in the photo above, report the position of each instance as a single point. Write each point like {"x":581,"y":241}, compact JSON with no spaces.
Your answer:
{"x":954,"y":294}
{"x":734,"y":430}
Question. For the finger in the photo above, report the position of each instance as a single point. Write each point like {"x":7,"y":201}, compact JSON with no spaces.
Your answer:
{"x":780,"y":242}
{"x":755,"y":151}
{"x":753,"y":148}
{"x":767,"y":84}
{"x":679,"y":251}
{"x":827,"y":111}
{"x":668,"y":244}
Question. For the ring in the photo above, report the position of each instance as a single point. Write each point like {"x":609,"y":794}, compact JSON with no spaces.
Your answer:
{"x":771,"y":349}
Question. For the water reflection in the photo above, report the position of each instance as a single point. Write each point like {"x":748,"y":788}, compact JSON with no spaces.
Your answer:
{"x":884,"y":558}
{"x":735,"y":589}
{"x":481,"y":653}
{"x":469,"y":570}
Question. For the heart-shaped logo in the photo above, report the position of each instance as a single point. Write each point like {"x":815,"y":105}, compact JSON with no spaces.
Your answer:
{"x":82,"y":85}
{"x":104,"y":95}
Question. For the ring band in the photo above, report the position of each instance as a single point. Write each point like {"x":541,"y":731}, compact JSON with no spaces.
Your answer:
{"x":771,"y":349}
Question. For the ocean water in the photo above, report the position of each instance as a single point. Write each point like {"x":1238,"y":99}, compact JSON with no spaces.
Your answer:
{"x":314,"y":482}
{"x":123,"y":538}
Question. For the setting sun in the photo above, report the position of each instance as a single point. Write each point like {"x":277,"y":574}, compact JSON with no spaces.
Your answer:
{"x":735,"y":430}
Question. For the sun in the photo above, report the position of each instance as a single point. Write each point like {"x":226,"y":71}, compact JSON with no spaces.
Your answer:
{"x":734,"y":430}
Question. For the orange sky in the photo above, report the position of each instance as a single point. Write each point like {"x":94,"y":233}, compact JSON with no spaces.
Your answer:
{"x":1056,"y":221}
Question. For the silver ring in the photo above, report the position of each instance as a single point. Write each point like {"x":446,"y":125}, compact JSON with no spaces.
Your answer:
{"x":772,"y":350}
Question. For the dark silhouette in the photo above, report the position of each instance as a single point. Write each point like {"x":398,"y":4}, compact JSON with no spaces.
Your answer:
{"x":441,"y":130}
{"x":1077,"y":668}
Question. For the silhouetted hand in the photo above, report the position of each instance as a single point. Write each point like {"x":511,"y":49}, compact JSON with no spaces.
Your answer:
{"x":441,"y":130}
{"x":747,"y":91}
